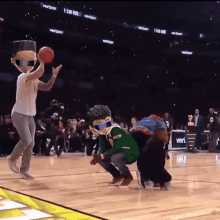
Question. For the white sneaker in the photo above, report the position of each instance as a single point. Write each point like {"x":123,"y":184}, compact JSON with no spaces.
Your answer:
{"x":12,"y":165}
{"x":26,"y":175}
{"x":141,"y":180}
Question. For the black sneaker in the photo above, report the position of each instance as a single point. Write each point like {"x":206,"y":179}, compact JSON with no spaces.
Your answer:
{"x":126,"y":182}
{"x":156,"y":184}
{"x":116,"y":180}
{"x":141,"y":180}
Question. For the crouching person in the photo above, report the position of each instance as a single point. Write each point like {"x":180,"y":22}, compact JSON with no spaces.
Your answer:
{"x":117,"y":147}
{"x":151,"y":162}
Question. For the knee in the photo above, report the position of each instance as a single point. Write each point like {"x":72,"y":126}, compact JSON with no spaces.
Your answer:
{"x":27,"y":142}
{"x":169,"y":178}
{"x":115,"y":159}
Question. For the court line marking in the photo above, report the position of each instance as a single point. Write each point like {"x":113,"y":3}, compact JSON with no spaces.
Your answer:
{"x":72,"y":174}
{"x":99,"y":173}
{"x":75,"y":210}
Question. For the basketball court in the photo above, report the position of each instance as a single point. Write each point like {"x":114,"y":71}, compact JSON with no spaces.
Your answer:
{"x":70,"y":188}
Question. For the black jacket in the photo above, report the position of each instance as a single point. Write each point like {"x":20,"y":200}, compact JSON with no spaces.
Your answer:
{"x":213,"y":121}
{"x":47,"y":117}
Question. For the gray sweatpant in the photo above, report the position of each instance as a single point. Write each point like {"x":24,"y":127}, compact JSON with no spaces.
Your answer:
{"x":26,"y":127}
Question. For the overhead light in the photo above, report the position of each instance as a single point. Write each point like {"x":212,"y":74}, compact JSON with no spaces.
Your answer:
{"x":201,"y":35}
{"x":143,"y":28}
{"x":177,"y":33}
{"x":187,"y":52}
{"x":56,"y":31}
{"x":90,"y":17}
{"x":163,"y":31}
{"x":108,"y":41}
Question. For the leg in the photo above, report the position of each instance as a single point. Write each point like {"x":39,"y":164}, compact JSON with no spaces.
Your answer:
{"x":166,"y":145}
{"x":61,"y":143}
{"x":199,"y":139}
{"x":52,"y":142}
{"x":142,"y":176}
{"x":27,"y":154}
{"x":162,"y":177}
{"x":212,"y":143}
{"x":43,"y":143}
{"x":21,"y":123}
{"x":120,"y":161}
{"x":37,"y":143}
{"x":88,"y":149}
{"x":110,"y":168}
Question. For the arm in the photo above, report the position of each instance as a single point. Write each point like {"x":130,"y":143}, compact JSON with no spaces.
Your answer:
{"x":46,"y":86}
{"x":36,"y":74}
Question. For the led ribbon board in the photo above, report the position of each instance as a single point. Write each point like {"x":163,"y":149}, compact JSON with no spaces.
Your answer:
{"x":56,"y":31}
{"x":108,"y":41}
{"x":187,"y":52}
{"x":49,"y":7}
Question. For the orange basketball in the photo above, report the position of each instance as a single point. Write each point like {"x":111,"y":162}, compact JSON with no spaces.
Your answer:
{"x":46,"y":54}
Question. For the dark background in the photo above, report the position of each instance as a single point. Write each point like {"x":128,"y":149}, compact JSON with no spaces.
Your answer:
{"x":142,"y":70}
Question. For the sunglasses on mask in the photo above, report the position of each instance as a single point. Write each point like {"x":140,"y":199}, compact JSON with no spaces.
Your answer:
{"x":103,"y":126}
{"x":25,"y":62}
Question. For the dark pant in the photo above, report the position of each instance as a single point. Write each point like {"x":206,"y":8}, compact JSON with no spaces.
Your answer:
{"x":75,"y":144}
{"x":119,"y":161}
{"x":213,"y":140}
{"x":198,"y":139}
{"x":151,"y":166}
{"x":90,"y":143}
{"x":55,"y":141}
{"x":40,"y":143}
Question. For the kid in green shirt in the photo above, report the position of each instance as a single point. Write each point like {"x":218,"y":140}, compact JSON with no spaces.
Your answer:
{"x":117,"y":147}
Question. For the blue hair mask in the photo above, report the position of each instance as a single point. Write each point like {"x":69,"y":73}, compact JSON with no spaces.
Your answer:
{"x":25,"y":62}
{"x":103,"y":126}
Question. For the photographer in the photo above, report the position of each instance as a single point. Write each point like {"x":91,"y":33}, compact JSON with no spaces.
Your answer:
{"x":91,"y":141}
{"x":72,"y":136}
{"x":214,"y":125}
{"x":81,"y":130}
{"x":8,"y":135}
{"x":40,"y":138}
{"x":52,"y":116}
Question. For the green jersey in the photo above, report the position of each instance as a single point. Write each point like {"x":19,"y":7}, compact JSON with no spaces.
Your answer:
{"x":120,"y":142}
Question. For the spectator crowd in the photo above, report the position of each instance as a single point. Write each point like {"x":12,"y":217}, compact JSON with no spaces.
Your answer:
{"x":55,"y":130}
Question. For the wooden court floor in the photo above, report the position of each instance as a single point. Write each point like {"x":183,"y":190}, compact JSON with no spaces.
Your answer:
{"x":72,"y":182}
